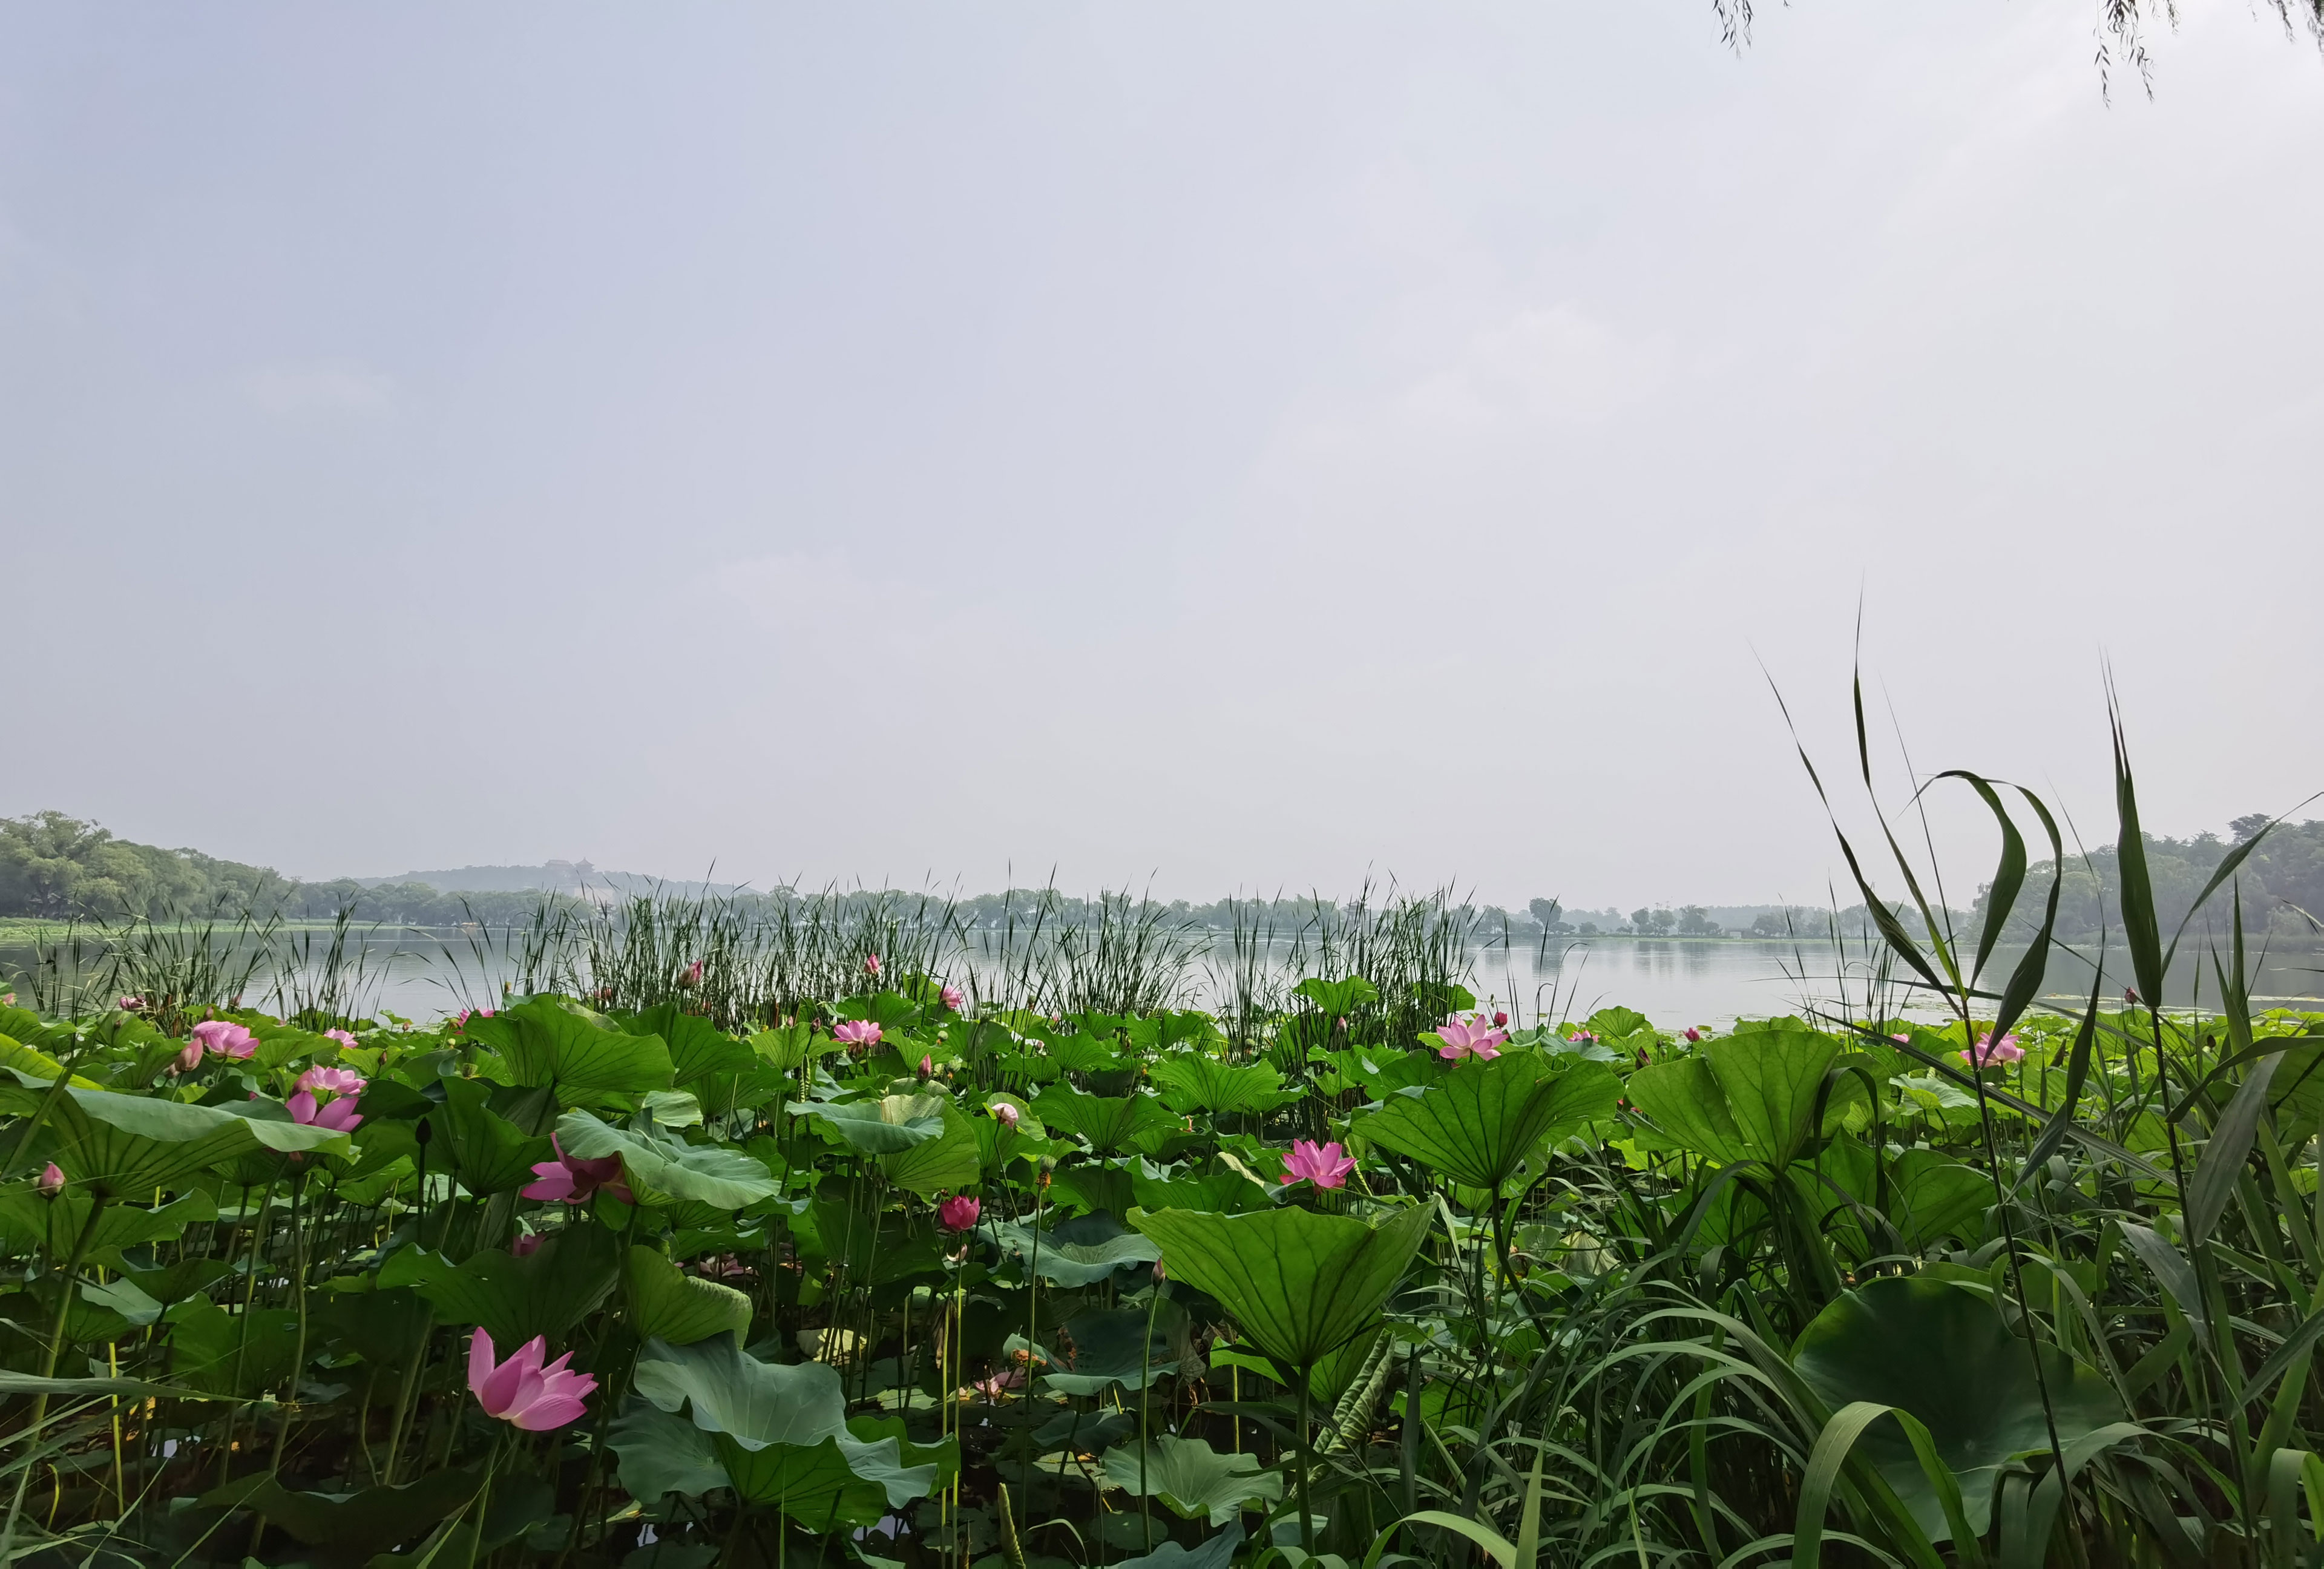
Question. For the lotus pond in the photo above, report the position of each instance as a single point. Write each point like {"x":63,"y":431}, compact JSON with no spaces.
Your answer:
{"x":658,"y":1270}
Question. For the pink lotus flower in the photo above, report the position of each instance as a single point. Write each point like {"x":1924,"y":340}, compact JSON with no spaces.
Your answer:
{"x":131,"y":1004}
{"x":856,"y":1034}
{"x":871,"y":966}
{"x":1324,"y":1165}
{"x":51,"y":1181}
{"x":1158,"y":1275}
{"x":1989,"y":1050}
{"x":1006,"y":1114}
{"x":225,"y":1038}
{"x":522,"y":1392}
{"x":189,"y":1057}
{"x":958,"y":1213}
{"x":525,"y":1244}
{"x":1474,"y":1039}
{"x":950,"y":996}
{"x":1501,"y":1020}
{"x":1902,"y":1038}
{"x":928,"y":1068}
{"x":692,"y":975}
{"x":573,"y":1180}
{"x":338,"y":1113}
{"x":339,"y":1081}
{"x":342,"y":1037}
{"x":1693,"y":1033}
{"x":1000,"y":1383}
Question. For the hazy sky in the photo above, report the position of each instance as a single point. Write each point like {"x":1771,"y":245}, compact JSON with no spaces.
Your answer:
{"x":1239,"y":446}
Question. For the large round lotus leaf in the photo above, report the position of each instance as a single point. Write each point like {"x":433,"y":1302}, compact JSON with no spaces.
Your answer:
{"x":1942,"y":1353}
{"x":1300,"y":1285}
{"x":1478,"y":1123}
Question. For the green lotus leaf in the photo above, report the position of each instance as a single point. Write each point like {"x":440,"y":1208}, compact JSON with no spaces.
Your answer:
{"x":226,"y":1353}
{"x":1218,"y":1553}
{"x":661,"y":1452}
{"x":1193,"y":1480}
{"x":1943,"y":1354}
{"x":488,"y":1153}
{"x":1110,"y":1123}
{"x":1478,"y":1123}
{"x":546,"y":1292}
{"x":1193,"y":1081}
{"x":668,"y":1304}
{"x":949,"y":1161}
{"x":1337,"y":998}
{"x":1300,"y":1284}
{"x":1080,"y":1252}
{"x":661,"y":1168}
{"x":733,"y":1392}
{"x":128,"y":1146}
{"x":368,"y":1519}
{"x":1127,"y":1346}
{"x":582,"y":1055}
{"x":697,"y":1047}
{"x":1749,"y":1096}
{"x":881,"y":1127}
{"x":29,"y":1220}
{"x":844,"y":1481}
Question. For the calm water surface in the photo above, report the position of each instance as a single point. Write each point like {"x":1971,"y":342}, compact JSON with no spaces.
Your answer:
{"x":1673,"y":982}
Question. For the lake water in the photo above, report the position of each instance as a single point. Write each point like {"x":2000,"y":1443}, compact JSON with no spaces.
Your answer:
{"x":1675,"y":983}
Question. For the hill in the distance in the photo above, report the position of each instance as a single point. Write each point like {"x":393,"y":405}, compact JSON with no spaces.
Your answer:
{"x":578,"y":878}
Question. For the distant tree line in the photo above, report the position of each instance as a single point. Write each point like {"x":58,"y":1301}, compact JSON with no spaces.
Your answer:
{"x":59,"y":867}
{"x":2282,"y":884}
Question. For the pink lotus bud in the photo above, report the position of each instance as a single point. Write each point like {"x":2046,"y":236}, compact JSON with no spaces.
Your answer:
{"x":871,"y":966}
{"x":951,"y":998}
{"x":692,"y":975}
{"x":1006,"y":1114}
{"x":525,"y":1244}
{"x":1501,"y":1020}
{"x":928,"y":1068}
{"x":1693,"y":1033}
{"x":51,"y":1180}
{"x":188,"y":1059}
{"x":131,"y":1004}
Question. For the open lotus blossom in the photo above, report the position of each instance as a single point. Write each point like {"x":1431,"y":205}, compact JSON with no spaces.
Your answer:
{"x":573,"y":1180}
{"x":525,"y":1244}
{"x":523,"y":1393}
{"x":856,"y":1033}
{"x":958,"y":1213}
{"x":1583,"y":1037}
{"x":871,"y":966}
{"x":1007,"y":1115}
{"x":225,"y":1038}
{"x":950,"y":996}
{"x":1474,"y":1039}
{"x":51,"y":1180}
{"x":189,"y":1057}
{"x":344,"y":1037}
{"x":338,"y":1112}
{"x":1988,"y":1050}
{"x":691,"y":975}
{"x":1324,"y":1165}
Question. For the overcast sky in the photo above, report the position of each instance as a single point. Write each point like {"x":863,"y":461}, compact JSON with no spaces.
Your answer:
{"x":1233,"y":446}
